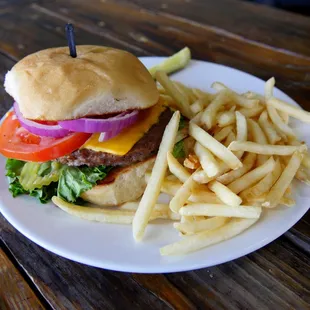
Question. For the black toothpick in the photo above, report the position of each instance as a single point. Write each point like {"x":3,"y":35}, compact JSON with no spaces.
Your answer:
{"x":71,"y":40}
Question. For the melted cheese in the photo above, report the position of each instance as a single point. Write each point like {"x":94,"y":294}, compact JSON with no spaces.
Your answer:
{"x":122,"y":143}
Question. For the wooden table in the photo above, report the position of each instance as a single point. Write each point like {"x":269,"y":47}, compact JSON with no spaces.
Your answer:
{"x":257,"y":39}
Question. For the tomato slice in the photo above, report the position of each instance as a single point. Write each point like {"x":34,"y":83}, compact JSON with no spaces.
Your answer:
{"x":18,"y":143}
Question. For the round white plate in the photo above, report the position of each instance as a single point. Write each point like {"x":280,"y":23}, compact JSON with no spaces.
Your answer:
{"x":111,"y":246}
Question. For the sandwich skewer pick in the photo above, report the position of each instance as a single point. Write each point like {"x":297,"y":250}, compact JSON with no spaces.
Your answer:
{"x":71,"y":39}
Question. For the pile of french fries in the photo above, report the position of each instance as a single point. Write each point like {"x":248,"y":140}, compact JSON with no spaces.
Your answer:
{"x":243,"y":158}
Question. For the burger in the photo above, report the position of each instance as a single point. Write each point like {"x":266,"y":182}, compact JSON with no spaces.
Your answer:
{"x":85,"y":128}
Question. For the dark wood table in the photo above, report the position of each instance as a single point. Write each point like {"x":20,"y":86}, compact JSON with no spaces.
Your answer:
{"x":256,"y":39}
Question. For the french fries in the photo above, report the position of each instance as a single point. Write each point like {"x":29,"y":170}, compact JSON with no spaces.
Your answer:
{"x":172,"y":91}
{"x":291,"y":110}
{"x":239,"y":99}
{"x":194,"y":227}
{"x":255,"y":111}
{"x":206,"y":238}
{"x":278,"y":190}
{"x":264,"y":185}
{"x":268,"y":128}
{"x":149,"y":198}
{"x":223,"y":133}
{"x":248,"y":163}
{"x":252,"y":177}
{"x":258,"y":137}
{"x":214,"y":146}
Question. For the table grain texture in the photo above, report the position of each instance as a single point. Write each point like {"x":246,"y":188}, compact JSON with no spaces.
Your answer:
{"x":253,"y":38}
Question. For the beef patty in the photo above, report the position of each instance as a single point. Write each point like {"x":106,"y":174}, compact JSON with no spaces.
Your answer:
{"x":146,"y":147}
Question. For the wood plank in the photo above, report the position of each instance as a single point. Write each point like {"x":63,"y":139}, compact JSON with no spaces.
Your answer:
{"x":163,"y":289}
{"x":15,"y":292}
{"x":69,"y":285}
{"x":262,"y":279}
{"x":38,"y":31}
{"x":256,"y":279}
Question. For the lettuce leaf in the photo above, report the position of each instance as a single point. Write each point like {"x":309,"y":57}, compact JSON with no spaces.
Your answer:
{"x":178,"y":150}
{"x":72,"y":182}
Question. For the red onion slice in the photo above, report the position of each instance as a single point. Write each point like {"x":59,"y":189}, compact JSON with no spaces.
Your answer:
{"x":54,"y":131}
{"x":92,"y":125}
{"x":104,"y":136}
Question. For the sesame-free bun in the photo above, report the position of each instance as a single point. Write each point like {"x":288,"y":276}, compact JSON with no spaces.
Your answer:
{"x":122,"y":185}
{"x":51,"y":85}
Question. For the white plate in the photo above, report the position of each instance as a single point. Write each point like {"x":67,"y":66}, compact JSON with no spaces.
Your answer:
{"x":111,"y":246}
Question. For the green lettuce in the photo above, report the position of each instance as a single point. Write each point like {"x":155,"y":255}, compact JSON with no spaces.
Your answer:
{"x":178,"y":150}
{"x":74,"y":181}
{"x":71,"y":182}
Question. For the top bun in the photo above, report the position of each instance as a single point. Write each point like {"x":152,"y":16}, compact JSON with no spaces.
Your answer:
{"x":51,"y":85}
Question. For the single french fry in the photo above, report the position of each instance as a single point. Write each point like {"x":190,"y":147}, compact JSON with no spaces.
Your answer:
{"x":268,"y":128}
{"x":188,"y":92}
{"x":258,"y":137}
{"x":204,"y":239}
{"x":182,"y":195}
{"x":278,"y":122}
{"x":250,"y":178}
{"x":277,"y":191}
{"x":153,"y":187}
{"x":196,"y":107}
{"x":176,"y":168}
{"x":242,"y":130}
{"x":290,"y":109}
{"x":122,"y":215}
{"x":223,"y":133}
{"x":197,"y":119}
{"x":230,"y":138}
{"x":208,"y":117}
{"x":214,"y":146}
{"x":194,"y":227}
{"x":205,"y":209}
{"x":172,"y":91}
{"x":268,"y":149}
{"x":207,"y":160}
{"x":224,"y":193}
{"x":226,"y":118}
{"x":248,"y":163}
{"x":160,"y":211}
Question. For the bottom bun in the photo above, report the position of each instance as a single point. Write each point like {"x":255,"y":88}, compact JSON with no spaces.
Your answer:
{"x":121,"y":185}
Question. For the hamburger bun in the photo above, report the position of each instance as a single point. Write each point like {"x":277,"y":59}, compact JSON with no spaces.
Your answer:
{"x":121,"y":185}
{"x":51,"y":85}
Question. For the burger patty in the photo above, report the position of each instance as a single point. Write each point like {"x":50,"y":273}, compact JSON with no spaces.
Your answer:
{"x":146,"y":147}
